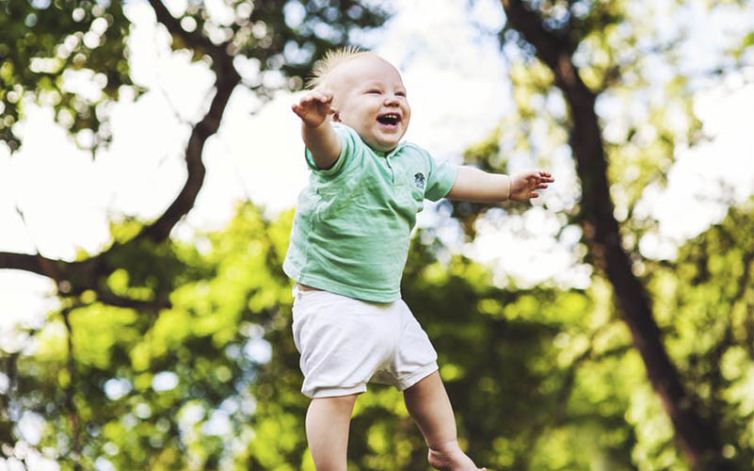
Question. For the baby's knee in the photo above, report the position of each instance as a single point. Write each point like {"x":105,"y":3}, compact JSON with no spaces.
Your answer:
{"x":345,"y":403}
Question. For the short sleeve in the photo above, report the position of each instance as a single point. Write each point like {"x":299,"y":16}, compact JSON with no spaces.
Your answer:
{"x":442,"y":176}
{"x":348,"y":143}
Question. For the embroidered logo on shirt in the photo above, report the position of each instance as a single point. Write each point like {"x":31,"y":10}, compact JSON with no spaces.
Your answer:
{"x":419,"y":180}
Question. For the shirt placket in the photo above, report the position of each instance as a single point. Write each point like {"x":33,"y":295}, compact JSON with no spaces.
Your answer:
{"x":389,"y":163}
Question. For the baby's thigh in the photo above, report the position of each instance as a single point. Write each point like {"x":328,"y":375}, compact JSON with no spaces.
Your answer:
{"x":415,"y":357}
{"x":342,"y":341}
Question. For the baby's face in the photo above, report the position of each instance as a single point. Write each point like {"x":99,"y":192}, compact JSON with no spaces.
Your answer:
{"x":369,"y":96}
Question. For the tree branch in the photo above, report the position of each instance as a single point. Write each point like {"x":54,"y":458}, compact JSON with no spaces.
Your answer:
{"x":193,"y":40}
{"x":31,"y":263}
{"x":226,"y":80}
{"x":69,"y":399}
{"x":112,"y":299}
{"x":79,"y":276}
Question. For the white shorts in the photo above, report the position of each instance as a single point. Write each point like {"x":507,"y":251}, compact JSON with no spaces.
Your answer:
{"x":346,"y":343}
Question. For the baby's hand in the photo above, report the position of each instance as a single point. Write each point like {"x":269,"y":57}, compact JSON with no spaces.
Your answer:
{"x":525,"y":184}
{"x":314,"y":107}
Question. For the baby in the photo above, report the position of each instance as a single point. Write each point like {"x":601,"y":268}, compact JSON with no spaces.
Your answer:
{"x":349,"y":245}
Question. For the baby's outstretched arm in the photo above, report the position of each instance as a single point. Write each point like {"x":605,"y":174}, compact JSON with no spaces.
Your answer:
{"x":319,"y":136}
{"x":477,"y":186}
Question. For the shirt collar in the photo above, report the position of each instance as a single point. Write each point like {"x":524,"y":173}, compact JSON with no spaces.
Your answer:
{"x":387,"y":155}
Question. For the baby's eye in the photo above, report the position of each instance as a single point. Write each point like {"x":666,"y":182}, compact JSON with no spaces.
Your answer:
{"x":374,"y":91}
{"x":403,"y":94}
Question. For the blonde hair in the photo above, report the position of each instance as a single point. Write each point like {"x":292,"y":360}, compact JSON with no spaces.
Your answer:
{"x":332,"y":59}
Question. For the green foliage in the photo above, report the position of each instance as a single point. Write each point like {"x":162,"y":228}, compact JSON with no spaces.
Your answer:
{"x":644,"y":100}
{"x":539,"y":378}
{"x":143,"y":386}
{"x":147,"y":388}
{"x":645,"y":106}
{"x":705,"y":304}
{"x":41,"y":41}
{"x":45,"y":43}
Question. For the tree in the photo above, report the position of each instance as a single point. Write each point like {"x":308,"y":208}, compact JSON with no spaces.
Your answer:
{"x":171,"y":355}
{"x":581,"y":51}
{"x":38,"y":61}
{"x":705,"y":299}
{"x":43,"y":41}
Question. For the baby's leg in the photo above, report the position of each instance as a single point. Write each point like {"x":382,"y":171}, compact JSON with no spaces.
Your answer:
{"x":327,"y":422}
{"x":428,"y":404}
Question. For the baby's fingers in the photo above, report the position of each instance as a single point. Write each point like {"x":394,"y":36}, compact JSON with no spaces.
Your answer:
{"x":544,"y":177}
{"x":540,"y":180}
{"x":315,"y":98}
{"x":314,"y":107}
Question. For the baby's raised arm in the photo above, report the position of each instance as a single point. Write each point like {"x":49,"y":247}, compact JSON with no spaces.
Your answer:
{"x":319,"y":136}
{"x":477,"y":186}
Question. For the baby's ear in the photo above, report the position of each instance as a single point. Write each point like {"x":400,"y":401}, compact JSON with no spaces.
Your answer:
{"x":336,"y":116}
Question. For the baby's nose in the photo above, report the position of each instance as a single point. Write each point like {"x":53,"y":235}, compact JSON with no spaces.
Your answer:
{"x":391,"y":99}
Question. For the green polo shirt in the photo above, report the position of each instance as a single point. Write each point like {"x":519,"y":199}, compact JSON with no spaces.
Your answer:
{"x":353,"y":221}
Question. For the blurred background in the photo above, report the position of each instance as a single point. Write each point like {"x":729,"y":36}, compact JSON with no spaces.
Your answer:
{"x":150,"y":164}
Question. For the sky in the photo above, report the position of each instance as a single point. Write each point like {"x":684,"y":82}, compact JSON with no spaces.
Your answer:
{"x":458,"y":90}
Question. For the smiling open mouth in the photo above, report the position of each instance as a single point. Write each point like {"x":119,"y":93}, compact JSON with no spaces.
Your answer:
{"x":389,"y":119}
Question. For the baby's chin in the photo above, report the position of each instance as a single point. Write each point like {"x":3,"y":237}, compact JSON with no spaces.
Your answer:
{"x":372,"y":138}
{"x":386,"y":142}
{"x":383,"y":145}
